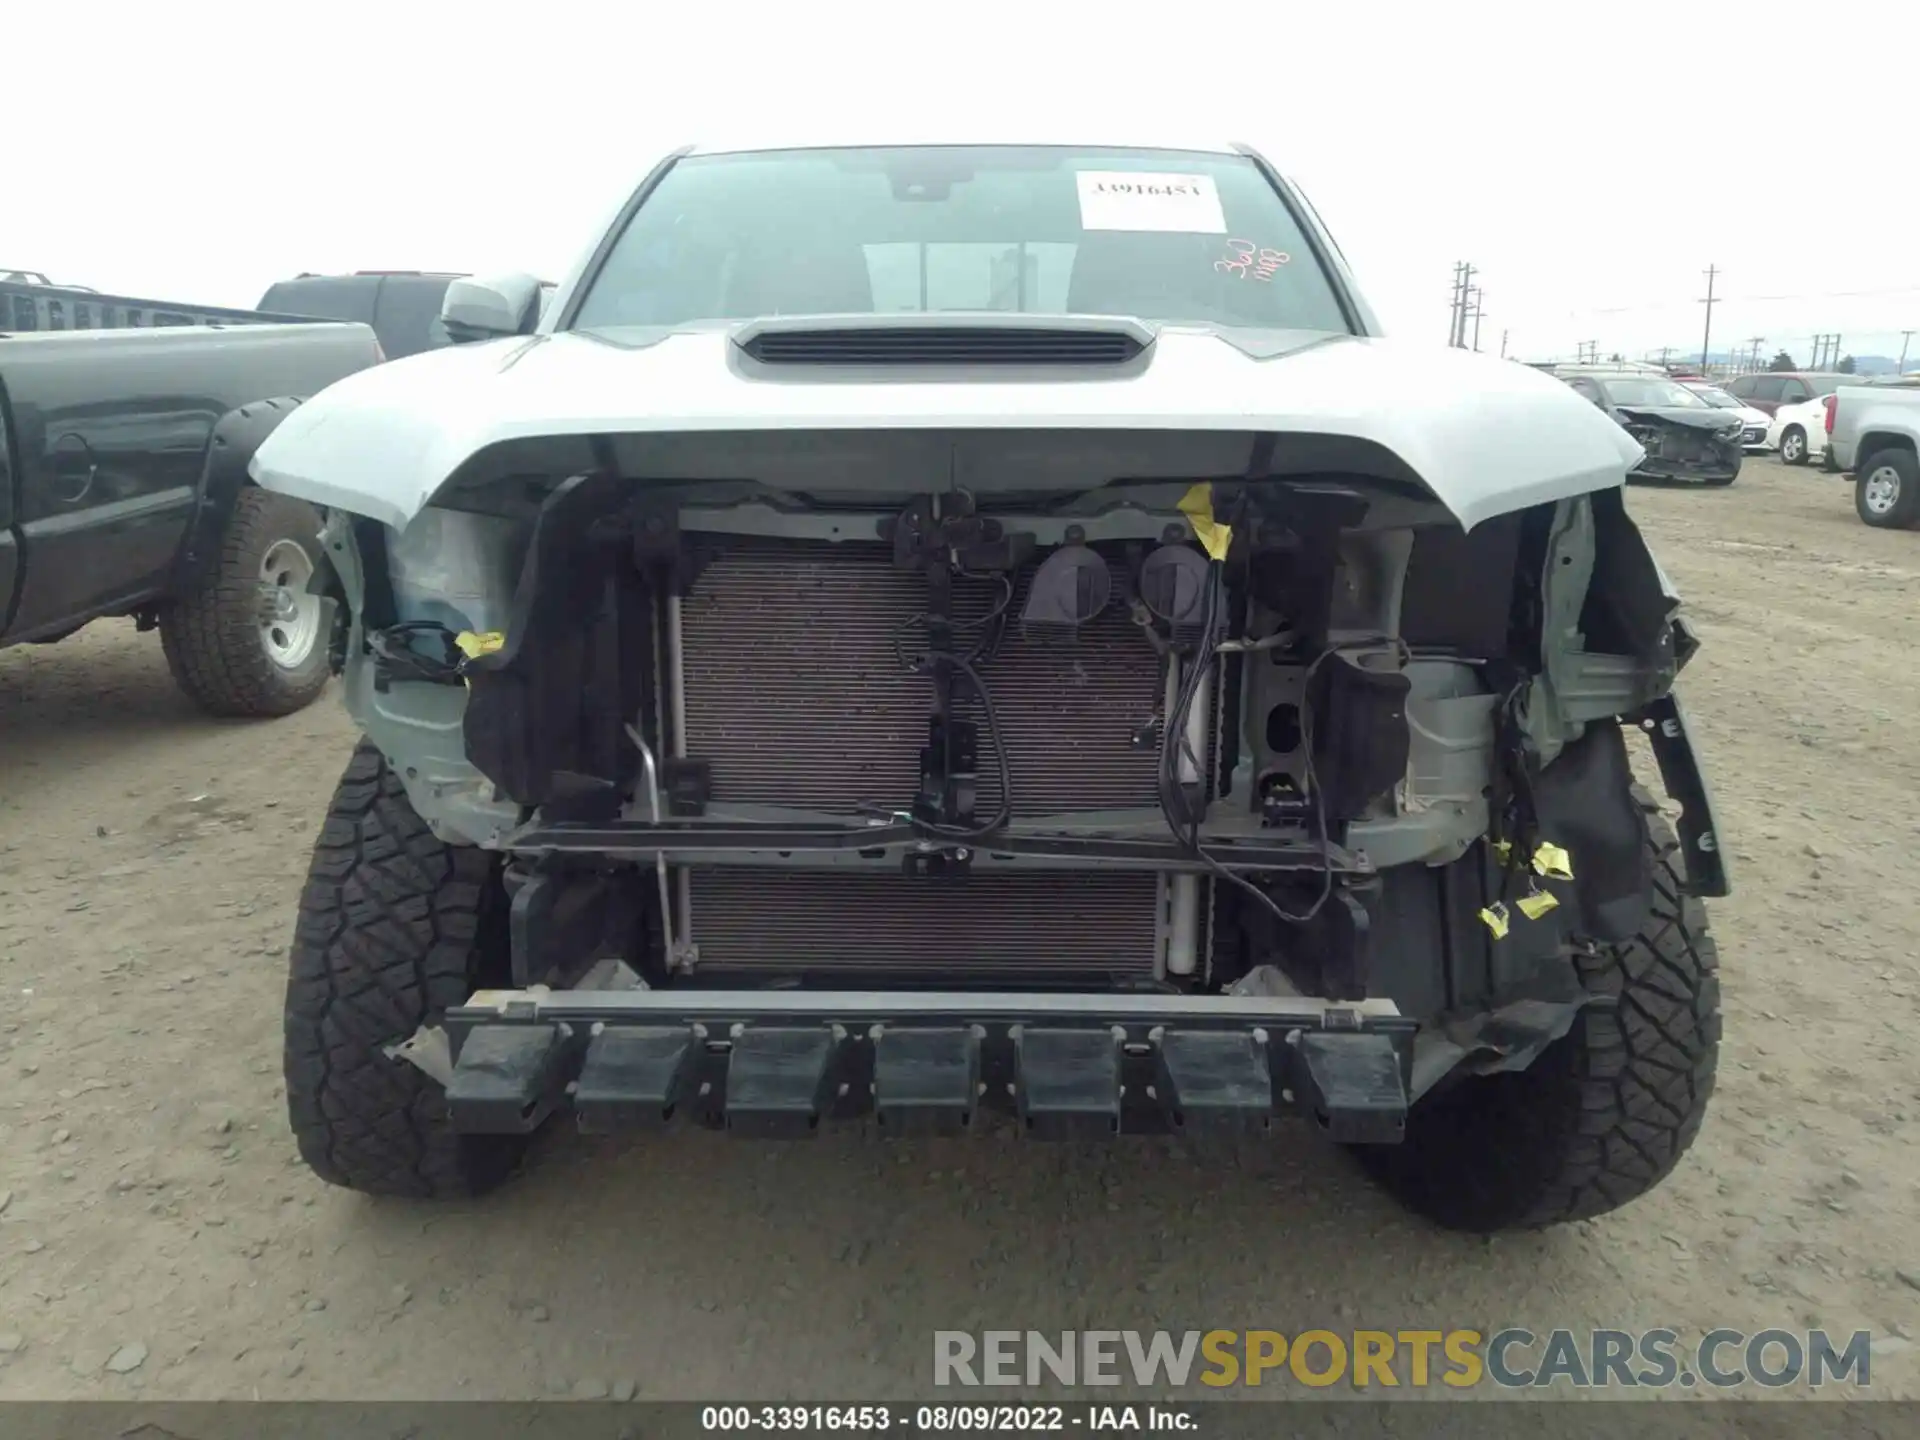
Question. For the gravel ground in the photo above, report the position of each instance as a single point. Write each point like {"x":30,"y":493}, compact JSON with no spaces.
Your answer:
{"x":158,"y":1236}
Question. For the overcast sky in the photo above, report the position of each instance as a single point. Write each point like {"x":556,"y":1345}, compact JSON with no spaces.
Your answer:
{"x":1591,"y":160}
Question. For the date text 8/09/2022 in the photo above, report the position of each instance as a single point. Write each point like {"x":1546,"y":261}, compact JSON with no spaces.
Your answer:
{"x":943,"y":1419}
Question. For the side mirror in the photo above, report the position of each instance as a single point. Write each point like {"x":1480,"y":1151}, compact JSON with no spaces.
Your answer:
{"x":487,"y":309}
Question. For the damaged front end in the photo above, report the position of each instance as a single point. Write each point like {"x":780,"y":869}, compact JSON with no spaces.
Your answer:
{"x":1119,"y":805}
{"x":1685,"y":446}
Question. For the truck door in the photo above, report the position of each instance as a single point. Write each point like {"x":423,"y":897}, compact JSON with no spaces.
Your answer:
{"x":110,"y":440}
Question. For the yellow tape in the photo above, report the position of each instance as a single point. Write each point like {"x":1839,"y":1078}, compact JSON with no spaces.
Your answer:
{"x":1497,"y":919}
{"x":1553,"y":862}
{"x":1536,"y":904}
{"x":1197,"y":506}
{"x":473,"y":646}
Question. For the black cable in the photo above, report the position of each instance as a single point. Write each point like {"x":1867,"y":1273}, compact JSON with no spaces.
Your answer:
{"x":980,"y":623}
{"x":1004,"y":814}
{"x":1173,"y":802}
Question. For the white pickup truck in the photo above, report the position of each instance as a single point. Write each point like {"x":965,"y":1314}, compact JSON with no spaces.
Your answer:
{"x":1873,"y":433}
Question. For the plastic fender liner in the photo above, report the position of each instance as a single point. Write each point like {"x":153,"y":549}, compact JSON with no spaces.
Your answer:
{"x":1585,"y":803}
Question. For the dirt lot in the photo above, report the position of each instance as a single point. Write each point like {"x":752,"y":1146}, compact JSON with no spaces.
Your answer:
{"x":157,"y":1234}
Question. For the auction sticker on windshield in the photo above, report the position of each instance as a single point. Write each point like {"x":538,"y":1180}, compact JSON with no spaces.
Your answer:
{"x":1130,"y":200}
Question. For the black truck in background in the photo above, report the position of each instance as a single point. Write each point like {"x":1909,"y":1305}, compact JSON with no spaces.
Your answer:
{"x":126,"y":428}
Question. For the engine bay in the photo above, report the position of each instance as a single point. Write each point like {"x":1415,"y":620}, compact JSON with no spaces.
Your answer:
{"x":1165,"y":742}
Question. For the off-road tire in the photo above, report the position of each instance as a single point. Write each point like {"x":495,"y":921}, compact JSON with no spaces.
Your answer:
{"x":1606,"y":1112}
{"x":1793,"y":446}
{"x":211,"y":633}
{"x":1904,"y":513}
{"x":395,"y":926}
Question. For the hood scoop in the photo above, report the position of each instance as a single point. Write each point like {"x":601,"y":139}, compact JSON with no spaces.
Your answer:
{"x":946,"y":340}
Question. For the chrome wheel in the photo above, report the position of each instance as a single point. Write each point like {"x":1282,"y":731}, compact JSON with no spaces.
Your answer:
{"x":289,"y":616}
{"x":1881,"y":490}
{"x":1793,"y":447}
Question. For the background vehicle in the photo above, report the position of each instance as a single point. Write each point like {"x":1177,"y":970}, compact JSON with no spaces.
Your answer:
{"x":1753,"y":423}
{"x":1798,"y":432}
{"x":402,"y":306}
{"x":123,"y":490}
{"x":1174,"y":758}
{"x":1874,"y":433}
{"x":27,"y":304}
{"x":1684,"y":437}
{"x":1768,"y":390}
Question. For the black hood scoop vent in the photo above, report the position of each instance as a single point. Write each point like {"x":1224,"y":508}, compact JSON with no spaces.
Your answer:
{"x":882,"y":341}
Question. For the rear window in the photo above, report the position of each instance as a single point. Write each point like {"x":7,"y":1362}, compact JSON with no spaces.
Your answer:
{"x":325,"y":297}
{"x":1162,"y":235}
{"x":407,"y":317}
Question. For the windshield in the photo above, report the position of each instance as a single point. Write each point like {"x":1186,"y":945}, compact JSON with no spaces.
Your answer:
{"x":1718,"y":399}
{"x":1653,"y":392}
{"x":1162,"y":235}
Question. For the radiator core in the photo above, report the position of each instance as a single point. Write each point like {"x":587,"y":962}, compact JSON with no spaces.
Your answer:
{"x":1087,"y":923}
{"x":795,"y":695}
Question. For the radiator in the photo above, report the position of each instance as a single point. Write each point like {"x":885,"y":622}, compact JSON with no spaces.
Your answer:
{"x":795,"y":696}
{"x":1087,"y":923}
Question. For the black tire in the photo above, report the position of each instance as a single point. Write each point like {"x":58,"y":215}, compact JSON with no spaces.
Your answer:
{"x":395,"y":926}
{"x":215,"y":634}
{"x":1605,"y":1113}
{"x":1793,"y":446}
{"x":1901,"y":470}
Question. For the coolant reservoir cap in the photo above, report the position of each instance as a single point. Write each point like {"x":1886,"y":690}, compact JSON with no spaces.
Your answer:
{"x":1173,"y":584}
{"x":1071,"y":587}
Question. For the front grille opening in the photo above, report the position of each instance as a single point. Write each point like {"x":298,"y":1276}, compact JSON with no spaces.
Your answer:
{"x":944,"y":345}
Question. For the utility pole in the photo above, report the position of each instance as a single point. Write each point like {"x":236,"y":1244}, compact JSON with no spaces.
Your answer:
{"x":1453,"y":306}
{"x":1476,"y":319}
{"x":1706,"y":335}
{"x":1901,"y":368}
{"x":1503,"y":348}
{"x":1463,"y":293}
{"x":1756,"y":342}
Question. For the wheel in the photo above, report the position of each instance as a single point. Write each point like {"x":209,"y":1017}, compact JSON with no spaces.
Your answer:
{"x":248,"y":640}
{"x":1793,"y":445}
{"x":1886,"y":489}
{"x":1606,"y":1112}
{"x":394,"y":927}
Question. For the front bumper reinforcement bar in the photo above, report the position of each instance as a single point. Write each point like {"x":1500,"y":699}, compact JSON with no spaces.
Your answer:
{"x":779,"y":1064}
{"x":690,"y":842}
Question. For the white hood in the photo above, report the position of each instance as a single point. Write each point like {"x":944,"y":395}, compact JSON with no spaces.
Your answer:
{"x":1487,"y":436}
